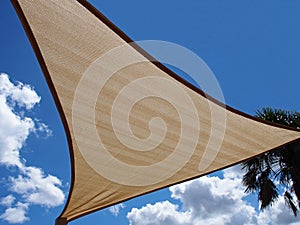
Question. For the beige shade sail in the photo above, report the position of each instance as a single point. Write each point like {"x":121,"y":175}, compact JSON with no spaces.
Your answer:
{"x":133,"y":126}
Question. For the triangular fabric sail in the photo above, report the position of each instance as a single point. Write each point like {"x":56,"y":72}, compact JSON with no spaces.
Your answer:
{"x":132,"y":125}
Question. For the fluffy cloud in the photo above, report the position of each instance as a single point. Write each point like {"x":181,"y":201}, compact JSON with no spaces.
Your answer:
{"x":14,"y":131}
{"x":36,"y":188}
{"x":159,"y":213}
{"x":210,"y":200}
{"x":21,"y":94}
{"x":115,"y":209}
{"x":7,"y":201}
{"x":16,"y":214}
{"x":14,"y":126}
{"x":32,"y":185}
{"x":279,"y":214}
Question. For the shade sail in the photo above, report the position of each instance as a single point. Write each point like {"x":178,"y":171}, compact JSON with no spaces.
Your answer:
{"x":133,"y":126}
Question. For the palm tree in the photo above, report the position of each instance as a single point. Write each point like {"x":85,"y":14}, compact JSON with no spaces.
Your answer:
{"x":280,"y":166}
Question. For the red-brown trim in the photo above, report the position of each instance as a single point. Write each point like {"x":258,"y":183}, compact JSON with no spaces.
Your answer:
{"x":126,"y":38}
{"x":47,"y":76}
{"x":122,"y":35}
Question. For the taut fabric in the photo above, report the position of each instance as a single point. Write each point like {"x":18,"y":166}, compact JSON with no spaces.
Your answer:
{"x":132,"y":125}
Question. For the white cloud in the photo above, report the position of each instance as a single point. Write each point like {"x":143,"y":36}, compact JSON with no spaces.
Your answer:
{"x":210,"y":200}
{"x":34,"y":187}
{"x":14,"y":131}
{"x":279,"y":214}
{"x":41,"y":129}
{"x":7,"y":201}
{"x":21,"y":94}
{"x":115,"y":209}
{"x":16,"y":214}
{"x":234,"y":172}
{"x":159,"y":213}
{"x":14,"y":126}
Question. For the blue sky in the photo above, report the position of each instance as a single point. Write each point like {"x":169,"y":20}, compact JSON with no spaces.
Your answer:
{"x":253,"y":48}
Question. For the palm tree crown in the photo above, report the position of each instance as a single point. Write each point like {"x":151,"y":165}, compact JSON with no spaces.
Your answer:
{"x":279,"y":166}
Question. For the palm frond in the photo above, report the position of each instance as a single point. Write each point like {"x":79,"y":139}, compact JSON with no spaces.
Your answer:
{"x":290,"y":203}
{"x":268,"y":193}
{"x":280,"y":165}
